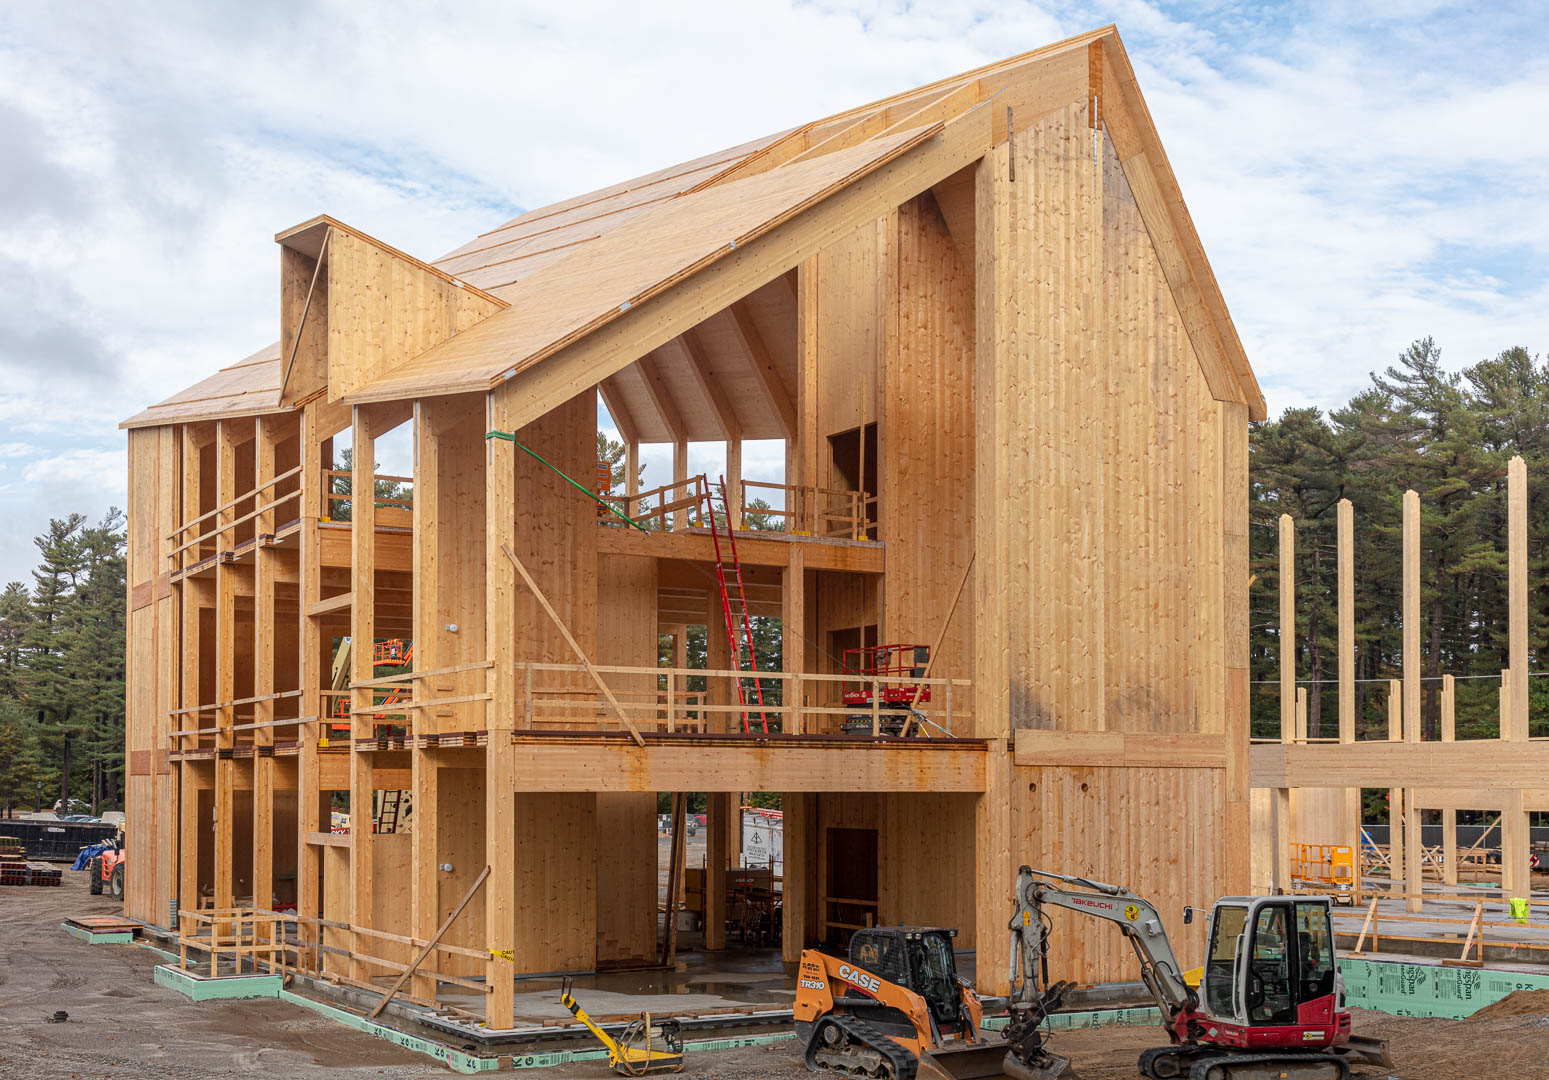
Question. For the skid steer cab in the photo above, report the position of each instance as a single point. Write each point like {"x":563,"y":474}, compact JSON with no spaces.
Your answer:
{"x":893,"y":1009}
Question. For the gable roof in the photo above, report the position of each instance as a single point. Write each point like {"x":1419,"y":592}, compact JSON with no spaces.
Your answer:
{"x":572,"y":268}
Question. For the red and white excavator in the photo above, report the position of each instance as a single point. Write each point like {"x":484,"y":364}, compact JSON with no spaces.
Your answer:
{"x":1272,"y":1004}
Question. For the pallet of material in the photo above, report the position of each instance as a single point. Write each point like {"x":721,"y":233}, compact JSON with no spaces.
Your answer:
{"x":25,"y":873}
{"x":12,"y":848}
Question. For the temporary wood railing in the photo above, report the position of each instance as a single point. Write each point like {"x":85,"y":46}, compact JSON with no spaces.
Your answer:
{"x":1473,"y":939}
{"x":180,"y":534}
{"x":669,"y":708}
{"x":832,"y":513}
{"x":331,"y":497}
{"x":686,"y":497}
{"x":242,"y":935}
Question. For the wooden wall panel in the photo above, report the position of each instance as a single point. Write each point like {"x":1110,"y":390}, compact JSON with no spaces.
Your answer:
{"x":849,"y":347}
{"x":927,"y":449}
{"x":626,"y":821}
{"x":460,"y":845}
{"x":556,"y":883}
{"x":383,"y":309}
{"x":1115,"y":532}
{"x":926,"y":852}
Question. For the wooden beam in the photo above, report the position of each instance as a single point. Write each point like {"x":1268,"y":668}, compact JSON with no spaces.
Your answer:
{"x":629,"y":431}
{"x":778,"y":398}
{"x":343,"y":602}
{"x":710,"y":386}
{"x":564,"y":630}
{"x":661,"y":398}
{"x":430,"y":946}
{"x":1411,"y":616}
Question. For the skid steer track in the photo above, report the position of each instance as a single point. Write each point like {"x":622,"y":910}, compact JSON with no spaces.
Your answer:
{"x":844,"y":1046}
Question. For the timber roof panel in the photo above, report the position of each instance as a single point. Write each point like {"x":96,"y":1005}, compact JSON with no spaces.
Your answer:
{"x":569,"y":268}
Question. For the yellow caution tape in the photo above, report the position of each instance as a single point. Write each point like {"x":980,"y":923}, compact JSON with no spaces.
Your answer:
{"x":504,"y":954}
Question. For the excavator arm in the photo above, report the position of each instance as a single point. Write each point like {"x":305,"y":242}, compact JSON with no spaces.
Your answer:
{"x":1136,"y":918}
{"x":1033,"y":998}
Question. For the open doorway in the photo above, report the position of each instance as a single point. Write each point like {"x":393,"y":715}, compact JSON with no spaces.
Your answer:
{"x":850,"y":893}
{"x":854,"y":457}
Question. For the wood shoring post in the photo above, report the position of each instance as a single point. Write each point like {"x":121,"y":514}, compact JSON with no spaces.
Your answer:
{"x":676,"y":837}
{"x":1370,"y":924}
{"x":362,"y":661}
{"x":430,"y":946}
{"x":941,"y":634}
{"x":575,"y":647}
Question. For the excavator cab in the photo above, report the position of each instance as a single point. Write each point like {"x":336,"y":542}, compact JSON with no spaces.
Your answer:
{"x":1270,"y":966}
{"x":918,"y":959}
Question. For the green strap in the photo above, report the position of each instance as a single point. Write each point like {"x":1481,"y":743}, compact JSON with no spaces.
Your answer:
{"x":615,"y":511}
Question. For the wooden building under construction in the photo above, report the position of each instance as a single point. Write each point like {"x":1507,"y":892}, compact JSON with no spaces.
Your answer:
{"x":1015,"y":414}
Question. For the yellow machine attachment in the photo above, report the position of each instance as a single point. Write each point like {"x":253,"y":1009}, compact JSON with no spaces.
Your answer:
{"x":642,"y":1049}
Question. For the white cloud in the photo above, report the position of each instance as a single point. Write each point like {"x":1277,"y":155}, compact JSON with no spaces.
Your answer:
{"x":1359,"y":177}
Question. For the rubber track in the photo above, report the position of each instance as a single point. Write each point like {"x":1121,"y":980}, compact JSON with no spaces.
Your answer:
{"x":903,"y":1064}
{"x":1201,"y":1069}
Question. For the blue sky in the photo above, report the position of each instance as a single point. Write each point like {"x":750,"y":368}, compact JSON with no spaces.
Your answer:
{"x":1359,"y":178}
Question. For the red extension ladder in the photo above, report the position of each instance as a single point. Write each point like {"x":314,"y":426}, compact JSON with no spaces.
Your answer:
{"x":734,"y":605}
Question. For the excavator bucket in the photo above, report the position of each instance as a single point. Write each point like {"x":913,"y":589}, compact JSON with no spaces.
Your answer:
{"x":1047,"y":1067}
{"x":1365,"y":1050}
{"x":967,"y":1061}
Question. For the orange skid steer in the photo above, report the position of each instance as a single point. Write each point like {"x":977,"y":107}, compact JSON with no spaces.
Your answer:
{"x":895,"y":1009}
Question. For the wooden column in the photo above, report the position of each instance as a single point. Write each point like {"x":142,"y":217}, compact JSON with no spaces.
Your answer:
{"x":362,"y":669}
{"x":719,"y":822}
{"x":269,"y":434}
{"x":734,"y":481}
{"x":1345,"y":558}
{"x":1516,"y":873}
{"x":631,"y":475}
{"x":1281,"y":863}
{"x":1395,"y":795}
{"x":188,"y":838}
{"x":1301,"y":714}
{"x":1413,"y":881}
{"x":226,"y":439}
{"x":1238,"y":863}
{"x":793,"y":620}
{"x":309,"y":817}
{"x":500,"y":754}
{"x":800,"y":812}
{"x":719,"y":690}
{"x":1287,"y":629}
{"x":996,"y":323}
{"x":1449,"y":817}
{"x":425,"y":843}
{"x":679,"y":474}
{"x":1517,"y":596}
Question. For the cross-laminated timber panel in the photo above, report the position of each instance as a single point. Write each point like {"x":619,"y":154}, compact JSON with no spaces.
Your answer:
{"x":1108,"y":500}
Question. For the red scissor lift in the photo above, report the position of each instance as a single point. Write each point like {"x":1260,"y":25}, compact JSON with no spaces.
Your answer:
{"x":894,"y":673}
{"x":391,"y":653}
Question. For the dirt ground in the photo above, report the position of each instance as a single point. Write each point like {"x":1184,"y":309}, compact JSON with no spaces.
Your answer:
{"x":122,"y":1025}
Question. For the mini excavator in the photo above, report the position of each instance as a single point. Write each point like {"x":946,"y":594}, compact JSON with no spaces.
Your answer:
{"x":1273,"y":1004}
{"x":1273,"y":1000}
